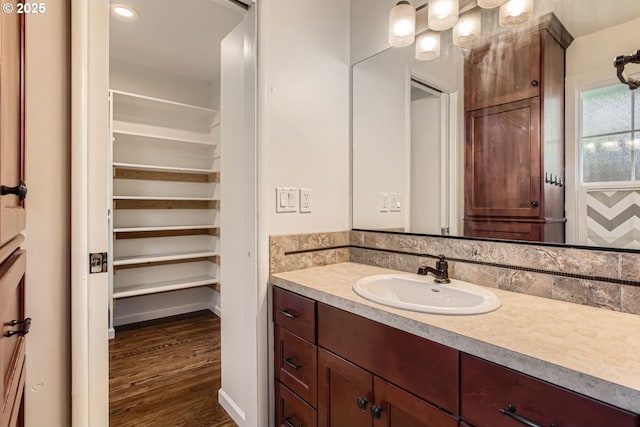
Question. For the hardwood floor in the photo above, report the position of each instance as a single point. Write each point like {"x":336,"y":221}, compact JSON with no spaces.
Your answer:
{"x":167,"y":374}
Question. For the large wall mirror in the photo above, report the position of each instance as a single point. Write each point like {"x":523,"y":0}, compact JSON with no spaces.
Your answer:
{"x":525,"y":133}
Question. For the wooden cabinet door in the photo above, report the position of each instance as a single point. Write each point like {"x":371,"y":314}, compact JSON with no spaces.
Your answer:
{"x":506,"y":71}
{"x":341,"y":386}
{"x":402,"y":409}
{"x":502,"y":161}
{"x":12,"y":346}
{"x":12,"y":214}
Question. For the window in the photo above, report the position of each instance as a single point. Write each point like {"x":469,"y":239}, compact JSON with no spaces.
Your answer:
{"x":610,"y":134}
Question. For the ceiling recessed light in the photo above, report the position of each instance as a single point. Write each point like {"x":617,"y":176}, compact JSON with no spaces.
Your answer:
{"x":124,"y":11}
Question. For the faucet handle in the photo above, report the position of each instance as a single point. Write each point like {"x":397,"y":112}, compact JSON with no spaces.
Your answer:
{"x":441,"y":263}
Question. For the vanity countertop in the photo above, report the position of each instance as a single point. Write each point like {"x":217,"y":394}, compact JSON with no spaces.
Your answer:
{"x":592,"y":351}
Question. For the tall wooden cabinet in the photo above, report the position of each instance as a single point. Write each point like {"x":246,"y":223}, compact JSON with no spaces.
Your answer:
{"x":514,"y":136}
{"x":165,"y":196}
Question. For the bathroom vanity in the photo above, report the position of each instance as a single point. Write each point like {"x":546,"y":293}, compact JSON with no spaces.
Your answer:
{"x":342,"y":360}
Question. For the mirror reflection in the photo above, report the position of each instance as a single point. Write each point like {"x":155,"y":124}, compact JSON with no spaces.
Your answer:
{"x":503,"y":129}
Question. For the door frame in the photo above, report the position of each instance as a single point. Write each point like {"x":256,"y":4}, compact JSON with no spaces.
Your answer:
{"x":89,"y":209}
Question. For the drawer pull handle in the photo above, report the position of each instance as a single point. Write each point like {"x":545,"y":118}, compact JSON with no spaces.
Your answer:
{"x":289,"y":363}
{"x":362,"y":403}
{"x":287,"y":421}
{"x":376,"y":411}
{"x":511,"y":412}
{"x":25,"y":329}
{"x":286,"y":313}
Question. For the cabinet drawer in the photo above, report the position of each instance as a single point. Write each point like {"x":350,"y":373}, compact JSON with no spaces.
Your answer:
{"x":295,"y":313}
{"x":292,"y":411}
{"x":486,"y":388}
{"x":426,"y":369}
{"x":296,"y":364}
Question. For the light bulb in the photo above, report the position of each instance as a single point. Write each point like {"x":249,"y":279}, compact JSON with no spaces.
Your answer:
{"x":468,"y":29}
{"x":402,"y":24}
{"x":428,"y":46}
{"x":124,"y":11}
{"x":515,"y":12}
{"x":490,"y":4}
{"x":443,"y":14}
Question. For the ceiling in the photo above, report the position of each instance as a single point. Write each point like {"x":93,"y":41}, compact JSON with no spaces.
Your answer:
{"x":176,"y":36}
{"x":582,"y":17}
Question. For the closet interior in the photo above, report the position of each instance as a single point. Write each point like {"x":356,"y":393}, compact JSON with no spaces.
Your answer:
{"x":164,"y":67}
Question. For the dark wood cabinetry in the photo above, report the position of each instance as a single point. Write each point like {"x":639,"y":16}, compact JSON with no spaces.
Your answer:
{"x":361,"y":373}
{"x":487,"y":390}
{"x":514,"y":138}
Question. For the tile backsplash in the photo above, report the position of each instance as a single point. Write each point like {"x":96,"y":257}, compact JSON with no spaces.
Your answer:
{"x":594,"y":277}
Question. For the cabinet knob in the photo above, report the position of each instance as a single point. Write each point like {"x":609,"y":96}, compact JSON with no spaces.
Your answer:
{"x":535,"y":83}
{"x":534,"y":204}
{"x":362,"y":403}
{"x":376,"y":411}
{"x":19,"y":190}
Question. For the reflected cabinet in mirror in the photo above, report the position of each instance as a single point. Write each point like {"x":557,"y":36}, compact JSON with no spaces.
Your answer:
{"x":523,"y":132}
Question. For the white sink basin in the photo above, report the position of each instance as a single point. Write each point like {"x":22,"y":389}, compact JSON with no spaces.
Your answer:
{"x":420,"y":293}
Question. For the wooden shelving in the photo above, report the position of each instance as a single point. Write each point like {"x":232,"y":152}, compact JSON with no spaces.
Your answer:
{"x":163,"y":286}
{"x":165,"y":179}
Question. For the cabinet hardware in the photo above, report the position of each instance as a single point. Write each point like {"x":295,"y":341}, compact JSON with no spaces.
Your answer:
{"x":376,"y":411}
{"x":289,"y":363}
{"x":288,"y":314}
{"x":287,"y":421}
{"x":534,"y":204}
{"x":25,"y":329}
{"x":511,"y":412}
{"x":362,"y":403}
{"x":19,"y":190}
{"x":535,"y":83}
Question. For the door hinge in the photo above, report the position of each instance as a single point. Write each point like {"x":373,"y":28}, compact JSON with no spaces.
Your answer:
{"x":98,"y":262}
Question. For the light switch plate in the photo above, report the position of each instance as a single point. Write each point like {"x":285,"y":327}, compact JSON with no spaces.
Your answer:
{"x":395,"y":200}
{"x":305,"y":200}
{"x":286,"y":199}
{"x":383,"y":201}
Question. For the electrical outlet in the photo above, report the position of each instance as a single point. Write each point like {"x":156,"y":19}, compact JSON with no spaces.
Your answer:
{"x":305,"y":200}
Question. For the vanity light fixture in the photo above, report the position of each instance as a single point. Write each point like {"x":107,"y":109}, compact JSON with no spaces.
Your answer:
{"x":428,"y":46}
{"x":468,"y":29}
{"x":123,"y":11}
{"x":402,"y":24}
{"x":490,"y":4}
{"x":515,"y":12}
{"x":443,"y":14}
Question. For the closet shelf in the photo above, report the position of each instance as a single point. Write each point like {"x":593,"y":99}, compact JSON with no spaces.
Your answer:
{"x":191,"y":138}
{"x":147,"y":110}
{"x":199,"y":199}
{"x":144,"y":259}
{"x":164,"y":286}
{"x":161,"y":168}
{"x":164,"y":228}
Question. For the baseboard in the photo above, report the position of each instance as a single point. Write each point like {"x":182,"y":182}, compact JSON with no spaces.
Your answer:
{"x":214,"y":304}
{"x":231,"y":407}
{"x":112,"y":333}
{"x":160,"y":313}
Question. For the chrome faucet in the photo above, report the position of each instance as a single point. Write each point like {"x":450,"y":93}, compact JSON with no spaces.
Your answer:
{"x":441,"y":271}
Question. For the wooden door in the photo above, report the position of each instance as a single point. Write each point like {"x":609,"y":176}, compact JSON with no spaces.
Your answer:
{"x":12,"y":220}
{"x":345,"y":393}
{"x":506,"y":71}
{"x":502,"y":161}
{"x":401,"y":409}
{"x":12,"y":214}
{"x":12,"y":345}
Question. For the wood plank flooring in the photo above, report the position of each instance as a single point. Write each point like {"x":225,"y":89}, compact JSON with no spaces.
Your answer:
{"x":167,"y":374}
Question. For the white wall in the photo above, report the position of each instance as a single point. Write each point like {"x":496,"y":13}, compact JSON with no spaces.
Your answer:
{"x":47,"y":388}
{"x":589,"y":63}
{"x":159,"y":84}
{"x":303,"y":116}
